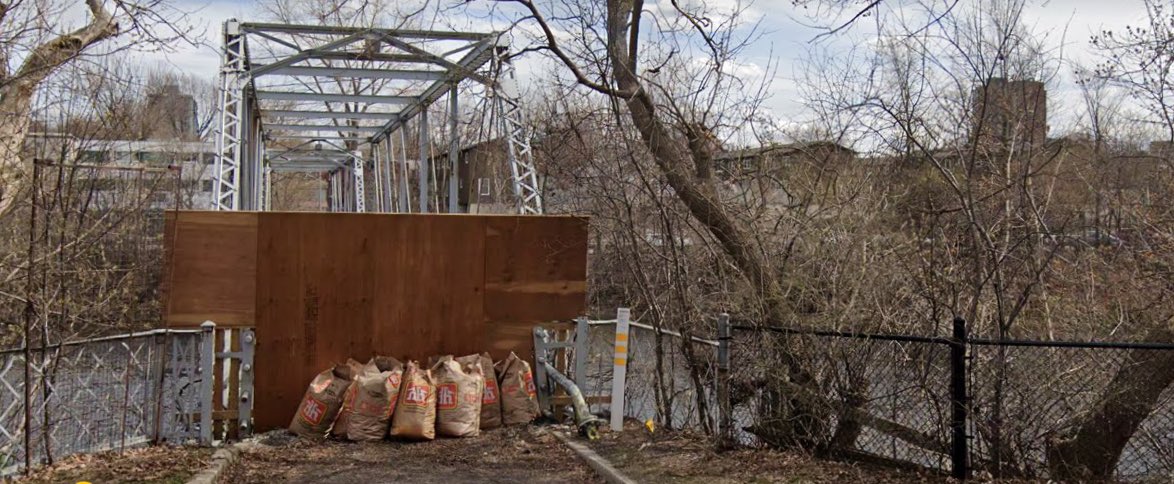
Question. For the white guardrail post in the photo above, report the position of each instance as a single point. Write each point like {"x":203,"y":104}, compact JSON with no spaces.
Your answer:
{"x":621,"y":369}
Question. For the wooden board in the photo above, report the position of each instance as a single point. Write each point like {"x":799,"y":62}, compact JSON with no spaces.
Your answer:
{"x":332,"y":286}
{"x":535,"y":268}
{"x":212,"y":270}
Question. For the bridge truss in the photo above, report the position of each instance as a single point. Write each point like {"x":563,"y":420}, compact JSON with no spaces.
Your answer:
{"x":340,"y":100}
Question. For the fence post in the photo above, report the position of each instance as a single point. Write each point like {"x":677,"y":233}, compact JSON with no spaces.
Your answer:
{"x":540,"y":381}
{"x":207,"y":360}
{"x":582,"y":346}
{"x":959,"y":401}
{"x":620,"y":372}
{"x":725,"y":417}
{"x":245,"y":388}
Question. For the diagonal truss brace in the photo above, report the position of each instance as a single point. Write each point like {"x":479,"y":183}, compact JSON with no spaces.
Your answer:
{"x":226,"y":190}
{"x":523,"y":173}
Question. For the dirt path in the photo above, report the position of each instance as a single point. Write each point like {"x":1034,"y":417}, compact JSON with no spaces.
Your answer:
{"x":511,"y":455}
{"x":682,"y":457}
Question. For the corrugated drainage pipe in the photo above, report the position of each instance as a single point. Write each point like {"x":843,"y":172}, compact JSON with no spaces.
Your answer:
{"x":588,"y":424}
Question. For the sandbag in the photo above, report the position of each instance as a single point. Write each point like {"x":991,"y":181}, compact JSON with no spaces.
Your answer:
{"x":321,"y":402}
{"x":490,"y":396}
{"x":415,"y":414}
{"x":458,"y":397}
{"x":434,"y":359}
{"x":519,"y":400}
{"x":376,"y":394}
{"x":344,"y":412}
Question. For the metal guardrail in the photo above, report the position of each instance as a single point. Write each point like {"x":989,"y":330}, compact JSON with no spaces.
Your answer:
{"x":115,"y":392}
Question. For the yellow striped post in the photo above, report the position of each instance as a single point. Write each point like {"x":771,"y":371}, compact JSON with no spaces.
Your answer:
{"x":621,"y":369}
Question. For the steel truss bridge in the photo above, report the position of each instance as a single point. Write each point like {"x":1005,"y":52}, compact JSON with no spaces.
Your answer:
{"x":338,"y":101}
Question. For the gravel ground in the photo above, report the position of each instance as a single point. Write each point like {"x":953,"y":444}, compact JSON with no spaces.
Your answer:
{"x":510,"y":455}
{"x":159,"y":464}
{"x":679,"y":457}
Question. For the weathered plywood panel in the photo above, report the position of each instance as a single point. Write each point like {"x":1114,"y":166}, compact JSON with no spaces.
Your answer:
{"x":323,"y":287}
{"x":213,"y":268}
{"x":535,"y":268}
{"x":429,"y":285}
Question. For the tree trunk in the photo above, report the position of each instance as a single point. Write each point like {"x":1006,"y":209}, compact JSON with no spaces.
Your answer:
{"x":16,"y":94}
{"x":1092,"y":450}
{"x":699,"y":197}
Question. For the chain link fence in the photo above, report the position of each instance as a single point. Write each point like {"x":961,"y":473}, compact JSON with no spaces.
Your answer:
{"x":1030,"y":409}
{"x":662,"y":382}
{"x":101,"y":394}
{"x":1030,"y":397}
{"x":872,"y":397}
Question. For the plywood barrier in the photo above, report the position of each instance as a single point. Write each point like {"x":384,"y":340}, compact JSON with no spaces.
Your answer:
{"x":321,"y":287}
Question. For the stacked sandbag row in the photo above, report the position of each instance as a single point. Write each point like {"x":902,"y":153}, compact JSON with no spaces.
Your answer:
{"x":453,"y":397}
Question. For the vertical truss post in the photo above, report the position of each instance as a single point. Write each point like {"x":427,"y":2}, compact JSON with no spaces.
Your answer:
{"x":518,"y":149}
{"x":226,"y":187}
{"x":332,"y":192}
{"x":377,"y":166}
{"x":404,"y":198}
{"x":358,"y":184}
{"x":267,"y":193}
{"x":422,"y":167}
{"x":256,"y":158}
{"x":389,"y":177}
{"x":453,"y":153}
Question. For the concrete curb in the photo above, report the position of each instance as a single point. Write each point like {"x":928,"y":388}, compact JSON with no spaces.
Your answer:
{"x":600,"y":465}
{"x":221,"y":459}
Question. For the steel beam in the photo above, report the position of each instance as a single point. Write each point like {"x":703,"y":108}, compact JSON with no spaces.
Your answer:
{"x":374,"y":57}
{"x":322,"y":154}
{"x":327,"y":137}
{"x":334,"y":97}
{"x":226,"y":186}
{"x":351,"y":72}
{"x":323,"y":127}
{"x":294,"y":114}
{"x":339,"y":30}
{"x":453,"y":150}
{"x":405,"y":200}
{"x":517,"y":140}
{"x":358,"y":164}
{"x":422,"y":167}
{"x":471,"y":61}
{"x":307,"y":54}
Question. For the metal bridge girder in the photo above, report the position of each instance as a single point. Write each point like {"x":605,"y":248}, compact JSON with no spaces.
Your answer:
{"x":243,"y":173}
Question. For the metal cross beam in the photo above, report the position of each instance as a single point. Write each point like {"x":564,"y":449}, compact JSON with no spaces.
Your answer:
{"x":333,"y":97}
{"x":281,"y":113}
{"x":324,"y":127}
{"x":363,"y":73}
{"x":342,"y":76}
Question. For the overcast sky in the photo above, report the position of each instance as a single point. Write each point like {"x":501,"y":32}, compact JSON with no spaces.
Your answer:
{"x":1067,"y":25}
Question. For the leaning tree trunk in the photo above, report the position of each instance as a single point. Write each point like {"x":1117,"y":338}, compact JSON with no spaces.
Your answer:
{"x":17,"y":90}
{"x":690,"y":176}
{"x":1092,"y":450}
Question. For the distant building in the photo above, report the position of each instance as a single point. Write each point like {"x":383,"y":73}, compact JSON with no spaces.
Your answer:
{"x":1009,"y":115}
{"x":171,"y":115}
{"x":774,"y":158}
{"x":116,"y":167}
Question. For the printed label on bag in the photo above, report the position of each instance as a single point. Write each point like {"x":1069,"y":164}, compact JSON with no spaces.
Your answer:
{"x":417,"y":395}
{"x":529,"y":384}
{"x":313,"y":410}
{"x":489,"y":396}
{"x":446,"y":396}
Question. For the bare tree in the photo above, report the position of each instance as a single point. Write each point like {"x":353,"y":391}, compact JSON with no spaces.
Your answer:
{"x":32,"y":49}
